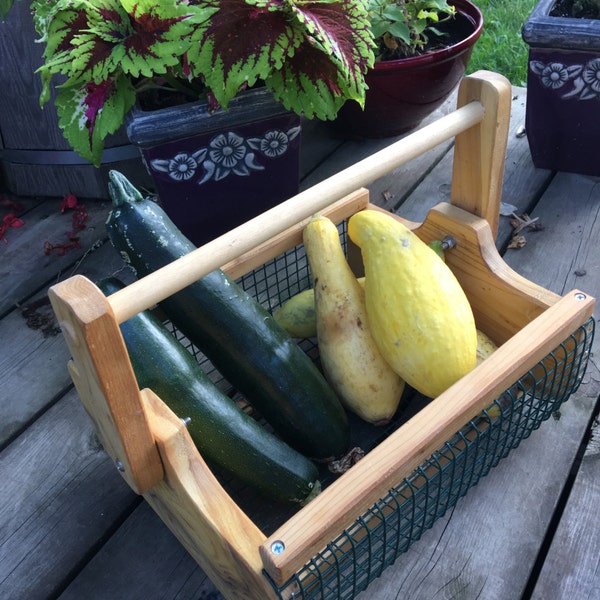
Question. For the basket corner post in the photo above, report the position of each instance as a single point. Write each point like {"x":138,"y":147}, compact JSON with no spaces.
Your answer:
{"x":480,"y":151}
{"x":104,"y":379}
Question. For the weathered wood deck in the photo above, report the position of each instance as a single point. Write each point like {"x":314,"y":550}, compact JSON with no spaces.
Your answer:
{"x":70,"y":528}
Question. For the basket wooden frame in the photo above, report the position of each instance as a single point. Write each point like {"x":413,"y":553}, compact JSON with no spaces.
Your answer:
{"x":151,"y":446}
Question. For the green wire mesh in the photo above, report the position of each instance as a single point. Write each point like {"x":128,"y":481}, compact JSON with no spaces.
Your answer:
{"x":388,"y":528}
{"x":359,"y":555}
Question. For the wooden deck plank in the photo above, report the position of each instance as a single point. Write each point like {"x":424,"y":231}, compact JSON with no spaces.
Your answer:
{"x":25,"y":268}
{"x":38,"y":353}
{"x":572,"y":566}
{"x":521,"y":184}
{"x":564,"y":254}
{"x":140,"y":558}
{"x":485,"y":547}
{"x":386,"y":191}
{"x":60,"y":496}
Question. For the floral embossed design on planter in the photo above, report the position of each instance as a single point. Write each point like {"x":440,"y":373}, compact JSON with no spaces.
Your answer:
{"x":584,"y":78}
{"x":213,"y":171}
{"x":227,"y":153}
{"x":563,"y":88}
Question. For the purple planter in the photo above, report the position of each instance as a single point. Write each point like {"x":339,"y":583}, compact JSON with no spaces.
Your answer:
{"x":212,"y":172}
{"x":563,"y":91}
{"x":403,"y":92}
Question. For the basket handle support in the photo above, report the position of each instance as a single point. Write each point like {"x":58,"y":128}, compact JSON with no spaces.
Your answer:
{"x":480,"y":151}
{"x":105,"y":382}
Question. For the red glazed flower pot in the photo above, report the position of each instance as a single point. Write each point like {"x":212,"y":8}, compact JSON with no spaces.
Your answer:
{"x":403,"y":92}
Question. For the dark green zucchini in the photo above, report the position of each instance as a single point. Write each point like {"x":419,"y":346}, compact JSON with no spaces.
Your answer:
{"x":240,"y":337}
{"x":223,"y":433}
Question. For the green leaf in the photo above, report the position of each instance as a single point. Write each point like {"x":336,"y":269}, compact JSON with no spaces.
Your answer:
{"x":428,"y":15}
{"x":5,"y":6}
{"x":88,"y":113}
{"x":306,"y":85}
{"x":244,"y":41}
{"x":87,"y":42}
{"x":340,"y":33}
{"x":401,"y":31}
{"x":394,"y":13}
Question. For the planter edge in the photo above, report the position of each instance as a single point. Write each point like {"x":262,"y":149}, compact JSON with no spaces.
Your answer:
{"x":540,"y":29}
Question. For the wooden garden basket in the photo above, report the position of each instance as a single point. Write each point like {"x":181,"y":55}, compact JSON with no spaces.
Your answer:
{"x":345,"y":537}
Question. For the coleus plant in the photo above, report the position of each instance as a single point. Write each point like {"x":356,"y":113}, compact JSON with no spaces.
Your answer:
{"x":311,"y":54}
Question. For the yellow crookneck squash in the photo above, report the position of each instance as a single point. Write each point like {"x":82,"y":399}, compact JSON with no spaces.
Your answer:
{"x":419,"y":315}
{"x":352,"y":363}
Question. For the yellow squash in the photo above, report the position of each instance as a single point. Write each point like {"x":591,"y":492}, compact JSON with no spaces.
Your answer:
{"x":419,"y":315}
{"x":353,"y":365}
{"x":485,"y":347}
{"x":297,"y":315}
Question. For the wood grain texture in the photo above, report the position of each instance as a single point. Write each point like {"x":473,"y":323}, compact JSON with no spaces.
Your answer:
{"x":392,"y":188}
{"x":559,"y":257}
{"x":572,"y":568}
{"x":60,"y":495}
{"x":104,"y":378}
{"x":25,"y":268}
{"x":486,"y":545}
{"x":521,"y":185}
{"x":480,"y":152}
{"x":38,"y":353}
{"x":196,"y":508}
{"x":142,"y":553}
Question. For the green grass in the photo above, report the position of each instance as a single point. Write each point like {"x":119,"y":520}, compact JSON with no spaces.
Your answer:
{"x":500,"y":47}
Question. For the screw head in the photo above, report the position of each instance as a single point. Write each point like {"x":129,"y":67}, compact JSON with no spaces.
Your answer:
{"x":119,"y":466}
{"x":580,"y":296}
{"x":277,"y":547}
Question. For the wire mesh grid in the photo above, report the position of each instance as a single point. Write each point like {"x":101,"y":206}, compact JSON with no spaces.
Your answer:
{"x":359,"y":555}
{"x":388,"y":528}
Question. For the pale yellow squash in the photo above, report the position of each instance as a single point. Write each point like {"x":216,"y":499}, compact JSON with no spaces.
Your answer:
{"x":352,"y":363}
{"x":485,"y":347}
{"x":418,"y":313}
{"x":297,"y":315}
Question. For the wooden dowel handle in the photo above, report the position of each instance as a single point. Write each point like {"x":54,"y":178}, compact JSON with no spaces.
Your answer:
{"x":164,"y":282}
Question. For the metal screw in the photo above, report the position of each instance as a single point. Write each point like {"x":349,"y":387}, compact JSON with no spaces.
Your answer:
{"x":277,"y":547}
{"x":186,"y":421}
{"x":448,"y":243}
{"x":119,"y":466}
{"x":580,"y":296}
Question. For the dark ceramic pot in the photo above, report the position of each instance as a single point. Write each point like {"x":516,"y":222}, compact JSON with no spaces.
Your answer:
{"x":403,"y":92}
{"x":562,"y":116}
{"x":213,"y":172}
